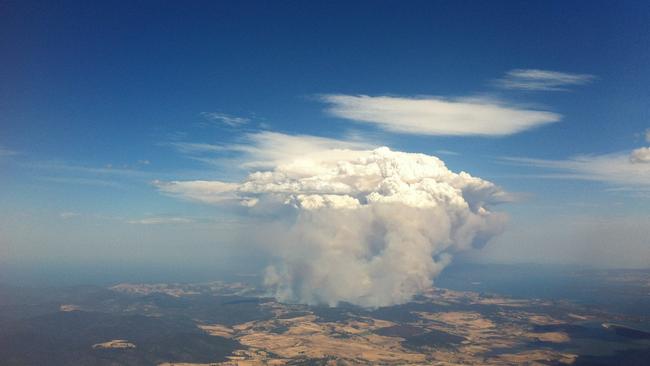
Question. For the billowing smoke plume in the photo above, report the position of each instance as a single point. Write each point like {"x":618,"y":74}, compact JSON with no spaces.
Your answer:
{"x":368,"y":227}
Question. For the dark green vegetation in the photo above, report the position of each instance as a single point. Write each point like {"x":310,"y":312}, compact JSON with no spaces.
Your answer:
{"x":66,"y":338}
{"x":432,"y":338}
{"x":35,"y":332}
{"x":627,"y":358}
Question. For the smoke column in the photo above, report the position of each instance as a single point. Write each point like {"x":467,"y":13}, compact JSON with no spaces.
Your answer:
{"x":367,"y":227}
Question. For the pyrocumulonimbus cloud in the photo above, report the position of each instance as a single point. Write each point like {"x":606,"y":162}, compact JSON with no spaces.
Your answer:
{"x":367,"y":227}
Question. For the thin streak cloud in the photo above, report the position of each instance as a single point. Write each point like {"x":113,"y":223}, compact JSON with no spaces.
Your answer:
{"x":542,"y":80}
{"x":161,"y":221}
{"x":624,"y":169}
{"x":195,"y":147}
{"x":226,"y":119}
{"x":7,"y":152}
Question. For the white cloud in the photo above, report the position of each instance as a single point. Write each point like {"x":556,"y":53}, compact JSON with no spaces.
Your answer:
{"x":161,"y":221}
{"x":232,"y":121}
{"x":438,"y":116}
{"x":195,"y":147}
{"x":198,"y":190}
{"x":446,"y":152}
{"x":82,"y":181}
{"x":640,"y":155}
{"x":255,"y":151}
{"x":107,"y":170}
{"x":68,"y":215}
{"x":63,"y":172}
{"x":67,"y":173}
{"x":622,"y":169}
{"x":542,"y":80}
{"x":345,"y":178}
{"x":266,"y":149}
{"x":370,"y":227}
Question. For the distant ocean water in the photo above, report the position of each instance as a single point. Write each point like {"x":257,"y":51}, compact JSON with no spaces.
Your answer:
{"x":617,"y":290}
{"x":105,"y":274}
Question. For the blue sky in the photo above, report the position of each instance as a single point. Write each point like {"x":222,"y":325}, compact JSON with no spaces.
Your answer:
{"x":99,"y":101}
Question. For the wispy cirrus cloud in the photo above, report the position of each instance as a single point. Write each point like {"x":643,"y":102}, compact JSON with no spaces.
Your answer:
{"x":161,"y":221}
{"x":438,"y":116}
{"x":628,"y":170}
{"x":447,"y":152}
{"x":4,"y":152}
{"x":82,"y":181}
{"x":65,"y":172}
{"x":107,"y":170}
{"x":226,"y":119}
{"x":195,"y":147}
{"x":542,"y":80}
{"x":69,"y":214}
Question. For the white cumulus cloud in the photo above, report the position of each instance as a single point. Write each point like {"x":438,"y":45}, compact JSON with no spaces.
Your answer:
{"x":438,"y":116}
{"x":369,"y":227}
